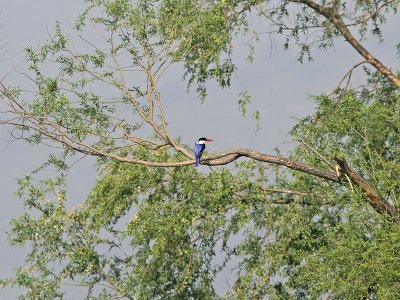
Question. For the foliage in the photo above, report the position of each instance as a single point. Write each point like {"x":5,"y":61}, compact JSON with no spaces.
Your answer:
{"x":362,"y":126}
{"x":142,"y":233}
{"x":156,"y":233}
{"x":151,"y":232}
{"x":206,"y":37}
{"x":358,"y":259}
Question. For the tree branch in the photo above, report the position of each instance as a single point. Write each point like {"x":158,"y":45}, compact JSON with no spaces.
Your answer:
{"x":337,"y":21}
{"x":376,"y":202}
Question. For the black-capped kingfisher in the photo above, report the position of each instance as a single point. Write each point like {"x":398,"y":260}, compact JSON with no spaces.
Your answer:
{"x":199,"y":148}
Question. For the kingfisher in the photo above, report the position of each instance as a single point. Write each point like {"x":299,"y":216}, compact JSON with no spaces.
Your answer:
{"x":199,"y":148}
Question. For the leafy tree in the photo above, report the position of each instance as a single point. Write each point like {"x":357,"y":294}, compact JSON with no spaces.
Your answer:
{"x":326,"y":225}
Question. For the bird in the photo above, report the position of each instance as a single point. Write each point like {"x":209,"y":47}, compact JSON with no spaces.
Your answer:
{"x":199,"y":148}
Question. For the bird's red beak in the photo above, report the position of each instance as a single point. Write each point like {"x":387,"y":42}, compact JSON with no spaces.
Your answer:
{"x":210,"y":140}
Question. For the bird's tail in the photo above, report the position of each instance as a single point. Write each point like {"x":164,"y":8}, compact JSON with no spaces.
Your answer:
{"x":197,"y":161}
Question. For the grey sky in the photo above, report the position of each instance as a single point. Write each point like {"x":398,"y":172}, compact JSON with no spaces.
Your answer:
{"x":280,"y":87}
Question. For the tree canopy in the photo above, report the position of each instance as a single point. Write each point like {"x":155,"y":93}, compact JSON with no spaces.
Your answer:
{"x":321,"y":223}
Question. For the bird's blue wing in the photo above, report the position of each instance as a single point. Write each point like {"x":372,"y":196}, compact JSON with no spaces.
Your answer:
{"x":198,"y":151}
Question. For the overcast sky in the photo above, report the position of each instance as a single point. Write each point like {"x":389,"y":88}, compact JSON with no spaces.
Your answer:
{"x":279,"y":85}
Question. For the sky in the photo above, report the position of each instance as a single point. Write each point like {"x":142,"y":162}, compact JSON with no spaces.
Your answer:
{"x":280,"y":87}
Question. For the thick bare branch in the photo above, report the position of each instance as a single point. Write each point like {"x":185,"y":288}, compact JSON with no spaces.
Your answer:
{"x":50,"y":129}
{"x":376,"y":202}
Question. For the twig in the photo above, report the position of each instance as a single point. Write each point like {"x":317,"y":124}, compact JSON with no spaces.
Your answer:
{"x":318,"y":154}
{"x":348,"y":76}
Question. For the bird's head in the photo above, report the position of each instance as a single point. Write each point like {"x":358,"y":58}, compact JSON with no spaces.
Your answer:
{"x":203,"y":140}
